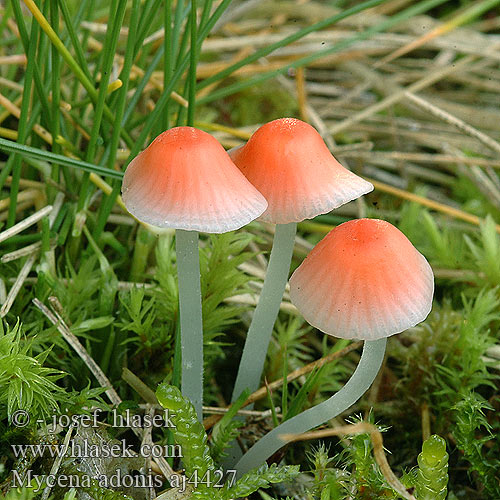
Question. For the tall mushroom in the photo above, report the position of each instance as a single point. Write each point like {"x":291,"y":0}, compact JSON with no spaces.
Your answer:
{"x":288,"y":162}
{"x":185,"y":180}
{"x":364,"y":280}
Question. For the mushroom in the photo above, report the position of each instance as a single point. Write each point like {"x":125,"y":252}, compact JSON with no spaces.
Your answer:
{"x":288,"y":162}
{"x":364,"y":280}
{"x":185,"y":180}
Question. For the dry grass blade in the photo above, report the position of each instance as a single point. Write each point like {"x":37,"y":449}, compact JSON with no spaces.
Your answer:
{"x":422,"y":158}
{"x":427,"y":81}
{"x":29,"y":221}
{"x":21,"y":252}
{"x":16,"y":287}
{"x":16,"y":111}
{"x":57,"y":462}
{"x":56,"y":319}
{"x":453,"y":120}
{"x":464,"y":17}
{"x":26,"y":195}
{"x":262,"y":392}
{"x":434,"y":205}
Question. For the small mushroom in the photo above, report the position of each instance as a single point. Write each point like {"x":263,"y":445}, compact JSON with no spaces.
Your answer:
{"x":185,"y":180}
{"x":364,"y":280}
{"x":288,"y":162}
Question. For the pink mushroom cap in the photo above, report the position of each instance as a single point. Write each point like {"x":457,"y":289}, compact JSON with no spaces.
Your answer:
{"x":288,"y":162}
{"x":363,"y":280}
{"x":185,"y":180}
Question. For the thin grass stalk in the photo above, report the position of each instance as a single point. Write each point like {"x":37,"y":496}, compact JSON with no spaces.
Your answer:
{"x":179,"y":16}
{"x":183,"y":49}
{"x":56,"y":89}
{"x":85,"y":11}
{"x":40,"y":154}
{"x":77,"y":47}
{"x":206,"y":28}
{"x":148,"y":11}
{"x":23,"y":33}
{"x":265,"y":51}
{"x":116,"y":12}
{"x":179,"y":71}
{"x":182,"y":52}
{"x":44,"y":61}
{"x":155,"y":115}
{"x":7,"y":14}
{"x":109,"y":201}
{"x":205,"y":14}
{"x":140,"y":89}
{"x":70,"y":61}
{"x":22,"y":131}
{"x":168,"y":59}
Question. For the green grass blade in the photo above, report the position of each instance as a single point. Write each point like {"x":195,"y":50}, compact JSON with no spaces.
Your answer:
{"x":297,"y":404}
{"x":40,"y":154}
{"x":179,"y":71}
{"x":179,"y":16}
{"x":284,"y":393}
{"x":265,"y":51}
{"x":109,"y":200}
{"x":56,"y":87}
{"x":22,"y":132}
{"x":168,"y":59}
{"x":140,"y":87}
{"x":23,"y":33}
{"x":193,"y":59}
{"x":274,"y":415}
{"x":77,"y":47}
{"x":389,"y":23}
{"x":70,"y":61}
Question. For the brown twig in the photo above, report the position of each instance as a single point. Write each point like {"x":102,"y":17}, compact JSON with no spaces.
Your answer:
{"x":299,"y":372}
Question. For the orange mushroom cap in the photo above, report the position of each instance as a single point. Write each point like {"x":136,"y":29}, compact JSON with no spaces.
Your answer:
{"x":185,"y":180}
{"x":363,"y":280}
{"x":288,"y":162}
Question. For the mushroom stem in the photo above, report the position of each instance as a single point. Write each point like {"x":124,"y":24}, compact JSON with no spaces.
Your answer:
{"x":190,"y":313}
{"x":357,"y":385}
{"x":266,"y":312}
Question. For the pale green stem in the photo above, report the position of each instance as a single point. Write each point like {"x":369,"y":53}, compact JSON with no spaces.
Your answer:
{"x":266,"y":312}
{"x":190,"y":315}
{"x":358,"y":384}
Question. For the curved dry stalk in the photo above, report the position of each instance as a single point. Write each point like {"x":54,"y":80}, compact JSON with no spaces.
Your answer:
{"x":209,"y":422}
{"x":426,"y":202}
{"x":378,"y":449}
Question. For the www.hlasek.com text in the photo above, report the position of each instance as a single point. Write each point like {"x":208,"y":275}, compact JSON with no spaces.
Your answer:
{"x":84,"y":449}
